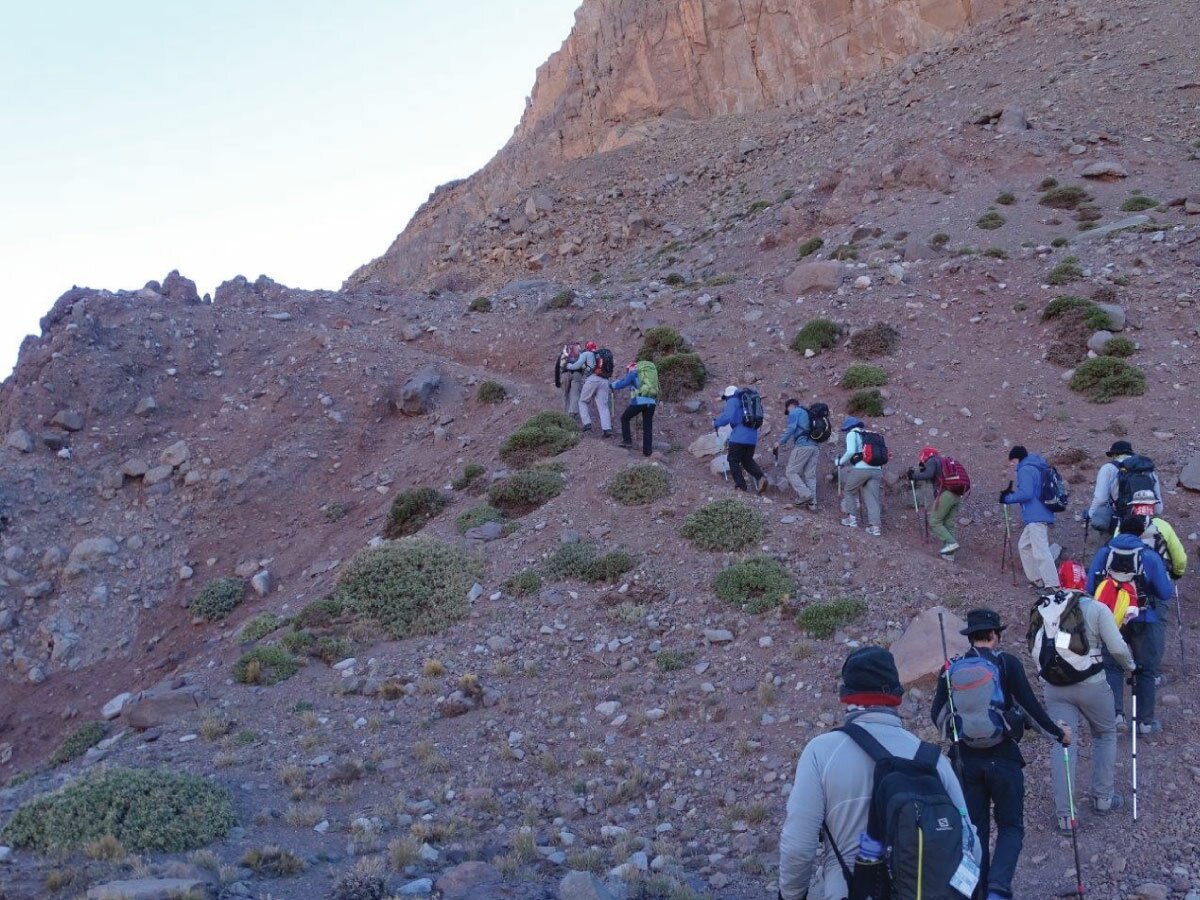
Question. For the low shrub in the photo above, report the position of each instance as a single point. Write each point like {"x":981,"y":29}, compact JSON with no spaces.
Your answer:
{"x":582,"y":561}
{"x":411,"y":586}
{"x":1138,"y":203}
{"x":259,"y":627}
{"x":1048,"y":183}
{"x":359,"y":884}
{"x":674,"y":279}
{"x":145,"y":810}
{"x":939,"y":240}
{"x":321,"y":613}
{"x":78,"y":742}
{"x":844,"y":253}
{"x":1105,"y":378}
{"x":265,"y":665}
{"x":523,"y":492}
{"x":990,"y":221}
{"x":522,"y":584}
{"x":639,"y":485}
{"x":809,"y":247}
{"x":476,"y":516}
{"x":412,"y":509}
{"x":1006,"y":199}
{"x":539,"y":437}
{"x":1119,"y":346}
{"x":879,"y":339}
{"x":864,"y":376}
{"x":822,"y":620}
{"x":273,"y":862}
{"x":492,"y":392}
{"x":480,"y":305}
{"x":867,"y":402}
{"x":660,"y":342}
{"x":756,"y":584}
{"x":757,"y":206}
{"x":562,"y":300}
{"x":334,"y":512}
{"x":727,"y":525}
{"x":679,"y":375}
{"x":471,"y":473}
{"x":1065,"y":272}
{"x":218,"y":598}
{"x":1067,"y":196}
{"x":816,"y":335}
{"x":672,"y":660}
{"x":298,"y":642}
{"x":1090,"y":314}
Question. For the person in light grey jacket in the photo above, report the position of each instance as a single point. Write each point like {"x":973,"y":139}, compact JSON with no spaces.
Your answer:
{"x":835,"y":779}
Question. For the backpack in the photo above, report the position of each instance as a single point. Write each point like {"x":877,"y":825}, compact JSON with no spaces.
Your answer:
{"x":1055,"y":495}
{"x":604,"y":363}
{"x":1124,"y":565}
{"x":1121,"y":598}
{"x":874,"y":449}
{"x":914,"y":818}
{"x":820,"y":429}
{"x":1134,"y":473}
{"x":1058,"y":640}
{"x":647,"y":374}
{"x":954,"y":477}
{"x":978,"y":701}
{"x":752,"y":408}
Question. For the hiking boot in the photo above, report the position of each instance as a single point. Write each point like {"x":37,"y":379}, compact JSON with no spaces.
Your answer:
{"x":739,"y":487}
{"x":606,"y":434}
{"x":1148,"y":728}
{"x":628,"y":445}
{"x":1115,"y":802}
{"x":762,"y":484}
{"x":873,"y":530}
{"x":949,"y":548}
{"x":586,"y":428}
{"x":812,"y":507}
{"x":1122,"y":725}
{"x":1160,"y":680}
{"x":850,"y":522}
{"x":1064,"y":825}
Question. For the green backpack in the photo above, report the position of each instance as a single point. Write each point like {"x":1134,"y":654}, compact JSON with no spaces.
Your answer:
{"x":647,"y":374}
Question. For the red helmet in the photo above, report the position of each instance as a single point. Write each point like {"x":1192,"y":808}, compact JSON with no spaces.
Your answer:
{"x":590,"y":345}
{"x":925,"y":454}
{"x":1072,"y":576}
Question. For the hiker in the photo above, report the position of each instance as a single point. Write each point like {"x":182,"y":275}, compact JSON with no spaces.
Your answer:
{"x":569,"y":381}
{"x":835,"y":788}
{"x":598,"y":364}
{"x":1066,"y":633}
{"x":1158,"y":535}
{"x":950,"y":484}
{"x":1034,"y":543}
{"x":643,"y":378}
{"x":1124,"y":475}
{"x":993,"y":702}
{"x":864,"y":481}
{"x":806,"y":429}
{"x":1126,"y":560}
{"x":744,"y":439}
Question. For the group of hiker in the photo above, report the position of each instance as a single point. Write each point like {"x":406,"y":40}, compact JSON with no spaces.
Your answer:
{"x":584,"y":373}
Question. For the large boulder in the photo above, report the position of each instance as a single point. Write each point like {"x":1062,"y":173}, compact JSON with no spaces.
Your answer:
{"x":87,"y":552}
{"x":1190,"y":476}
{"x":68,"y":420}
{"x":919,"y":651}
{"x":710,"y":443}
{"x":583,"y":886}
{"x":1106,"y":169}
{"x":814,"y":276}
{"x":1012,"y":121}
{"x":416,"y":398}
{"x":157,"y":707}
{"x":469,"y":881}
{"x":177,"y":287}
{"x":149,"y":889}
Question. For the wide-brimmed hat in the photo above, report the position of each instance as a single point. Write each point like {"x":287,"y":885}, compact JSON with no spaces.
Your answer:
{"x":1120,"y":448}
{"x":850,"y":423}
{"x":983,"y":620}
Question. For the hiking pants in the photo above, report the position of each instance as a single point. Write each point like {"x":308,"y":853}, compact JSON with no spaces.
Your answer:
{"x":802,"y":472}
{"x":996,"y":787}
{"x":944,"y":516}
{"x":646,"y":411}
{"x":1036,"y":558}
{"x":867,"y":484}
{"x":572,"y":386}
{"x":741,"y":456}
{"x":1092,"y":702}
{"x":1115,"y":676}
{"x":596,"y":387}
{"x":1147,"y":641}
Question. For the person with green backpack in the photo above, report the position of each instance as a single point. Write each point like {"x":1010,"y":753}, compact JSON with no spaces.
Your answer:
{"x":642,"y":377}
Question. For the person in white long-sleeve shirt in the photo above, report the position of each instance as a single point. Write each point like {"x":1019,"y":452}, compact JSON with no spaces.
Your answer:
{"x":1103,"y":513}
{"x":835,"y":780}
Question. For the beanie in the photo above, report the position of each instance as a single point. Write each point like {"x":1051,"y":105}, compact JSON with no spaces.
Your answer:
{"x":1018,"y":452}
{"x":869,"y":678}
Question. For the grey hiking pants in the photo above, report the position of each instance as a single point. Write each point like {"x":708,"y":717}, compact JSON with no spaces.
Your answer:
{"x":869,"y":484}
{"x":1090,"y":701}
{"x":596,"y":388}
{"x":802,"y":472}
{"x":1036,"y":558}
{"x":572,"y":385}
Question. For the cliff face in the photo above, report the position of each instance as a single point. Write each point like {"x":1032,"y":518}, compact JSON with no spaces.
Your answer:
{"x":629,"y":66}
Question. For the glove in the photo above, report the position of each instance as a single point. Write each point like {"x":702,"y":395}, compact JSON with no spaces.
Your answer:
{"x":911,"y":473}
{"x":1087,"y":515}
{"x":1004,"y":495}
{"x":775,"y":452}
{"x":1174,"y":577}
{"x":1133,"y":677}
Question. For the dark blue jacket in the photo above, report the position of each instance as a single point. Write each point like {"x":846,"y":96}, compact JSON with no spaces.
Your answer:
{"x":1154,"y":581}
{"x":742,"y":434}
{"x":631,"y":380}
{"x":1028,"y":491}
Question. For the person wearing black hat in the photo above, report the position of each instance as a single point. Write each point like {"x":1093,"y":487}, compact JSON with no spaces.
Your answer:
{"x":990,"y":765}
{"x":834,"y":780}
{"x":1104,"y":513}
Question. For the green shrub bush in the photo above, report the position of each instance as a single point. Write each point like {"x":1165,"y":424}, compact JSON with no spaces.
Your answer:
{"x":727,"y":525}
{"x":756,"y":584}
{"x":259,"y":627}
{"x":1138,"y":203}
{"x":523,"y":492}
{"x":990,"y":221}
{"x":298,"y":642}
{"x":411,"y":586}
{"x":562,"y":300}
{"x":816,"y":335}
{"x":321,"y":613}
{"x":78,"y":742}
{"x":939,"y":240}
{"x":147,"y":811}
{"x":679,"y":375}
{"x":672,"y":660}
{"x":674,"y":279}
{"x":265,"y":665}
{"x":809,"y":247}
{"x":480,"y":305}
{"x":476,"y":516}
{"x":879,"y":339}
{"x":822,"y":620}
{"x":864,"y":376}
{"x":1105,"y":378}
{"x":1065,"y":272}
{"x":660,"y":342}
{"x":582,"y":561}
{"x":639,"y":485}
{"x":867,"y":402}
{"x":1067,"y":196}
{"x":412,"y":509}
{"x":522,"y":584}
{"x":539,"y":437}
{"x":492,"y":392}
{"x":844,"y":253}
{"x":1006,"y":199}
{"x":359,"y":884}
{"x":218,"y":598}
{"x":1064,"y":306}
{"x":1119,"y":346}
{"x":472,"y":472}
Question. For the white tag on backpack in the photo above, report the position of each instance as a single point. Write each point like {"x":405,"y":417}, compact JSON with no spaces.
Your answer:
{"x":966,"y":877}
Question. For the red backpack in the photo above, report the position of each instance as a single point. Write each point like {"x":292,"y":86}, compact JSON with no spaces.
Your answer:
{"x":954,"y":477}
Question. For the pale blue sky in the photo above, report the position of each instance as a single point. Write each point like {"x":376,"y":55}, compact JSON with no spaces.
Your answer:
{"x":244,"y":137}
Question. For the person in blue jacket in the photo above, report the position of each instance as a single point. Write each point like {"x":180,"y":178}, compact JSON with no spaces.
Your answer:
{"x":641,"y":403}
{"x":742,"y":442}
{"x":1147,"y":634}
{"x":1034,"y":543}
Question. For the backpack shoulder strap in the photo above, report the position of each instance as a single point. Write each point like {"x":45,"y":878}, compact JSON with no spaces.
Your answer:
{"x":928,"y":756}
{"x":866,"y":741}
{"x":846,"y":873}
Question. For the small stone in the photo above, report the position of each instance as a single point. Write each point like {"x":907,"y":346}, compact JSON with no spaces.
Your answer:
{"x":417,"y":888}
{"x":186,"y":572}
{"x":175,"y":455}
{"x":113,"y":707}
{"x":20,"y":441}
{"x":718,"y":635}
{"x":1106,"y":169}
{"x":134,"y":468}
{"x":68,"y":420}
{"x":261,"y":583}
{"x":653,"y":715}
{"x":145,"y":406}
{"x":608,"y":707}
{"x":157,"y":475}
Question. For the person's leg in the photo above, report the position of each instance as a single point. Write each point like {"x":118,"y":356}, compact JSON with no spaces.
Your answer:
{"x":975,"y":792}
{"x":1047,"y":570}
{"x":1095,"y":705}
{"x":795,"y":466}
{"x":627,"y":424}
{"x":1025,"y":550}
{"x":647,"y":410}
{"x":735,"y":465}
{"x":1115,"y":676}
{"x":751,"y":464}
{"x":604,"y":404}
{"x":1143,"y":643}
{"x":1006,"y":785}
{"x":951,"y":517}
{"x":1061,"y":707}
{"x":852,"y":482}
{"x":585,"y":398}
{"x":808,"y":474}
{"x":937,"y":518}
{"x":872,"y":491}
{"x":567,"y":381}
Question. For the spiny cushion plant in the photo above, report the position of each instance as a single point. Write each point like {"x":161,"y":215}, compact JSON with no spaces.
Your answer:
{"x":476,"y":516}
{"x":1105,"y":378}
{"x":864,"y":376}
{"x":78,"y":742}
{"x":265,"y":665}
{"x":756,"y":584}
{"x":218,"y":598}
{"x":679,"y":375}
{"x":539,"y":437}
{"x":816,"y":335}
{"x":523,"y":492}
{"x":821,"y":620}
{"x":879,"y":339}
{"x":727,"y":525}
{"x":867,"y":402}
{"x":582,"y":561}
{"x":492,"y":392}
{"x":412,"y":509}
{"x":639,"y":485}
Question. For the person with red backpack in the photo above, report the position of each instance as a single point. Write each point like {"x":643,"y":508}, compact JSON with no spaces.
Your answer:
{"x":598,"y":364}
{"x":950,"y":484}
{"x":866,"y":453}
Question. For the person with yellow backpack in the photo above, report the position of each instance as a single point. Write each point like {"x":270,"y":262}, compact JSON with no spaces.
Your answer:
{"x":642,"y":377}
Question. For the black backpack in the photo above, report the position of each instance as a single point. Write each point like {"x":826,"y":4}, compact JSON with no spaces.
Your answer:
{"x":1134,"y":473}
{"x":819,"y":427}
{"x":1055,"y":494}
{"x":604,"y":363}
{"x":916,"y":821}
{"x":752,"y":408}
{"x":1124,"y":565}
{"x":874,"y":449}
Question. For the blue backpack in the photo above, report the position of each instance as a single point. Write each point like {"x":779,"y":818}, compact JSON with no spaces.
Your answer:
{"x":979,"y":703}
{"x":1055,"y":495}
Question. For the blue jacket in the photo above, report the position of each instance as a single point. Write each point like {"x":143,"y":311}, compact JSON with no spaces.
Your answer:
{"x":742,"y":434}
{"x":1154,"y":580}
{"x":797,"y":429}
{"x":631,"y":380}
{"x":1028,"y":491}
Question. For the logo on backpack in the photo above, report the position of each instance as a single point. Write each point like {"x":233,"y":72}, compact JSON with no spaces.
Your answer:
{"x":752,"y":408}
{"x":874,"y":449}
{"x":1134,"y":473}
{"x":1124,"y":564}
{"x":604,"y":363}
{"x":978,"y":701}
{"x":1054,"y":495}
{"x":954,"y":477}
{"x":647,"y":374}
{"x":820,"y":428}
{"x":1058,"y":640}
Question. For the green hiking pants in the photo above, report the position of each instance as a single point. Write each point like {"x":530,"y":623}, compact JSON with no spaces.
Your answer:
{"x":943,"y":517}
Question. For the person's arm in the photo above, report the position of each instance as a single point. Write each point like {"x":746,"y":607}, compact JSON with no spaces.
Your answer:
{"x":793,"y":430}
{"x":1027,"y":485}
{"x":954,"y":792}
{"x":851,"y":448}
{"x":801,"y":828}
{"x":1176,"y":553}
{"x":1096,"y":570}
{"x":928,"y":470}
{"x":726,"y":417}
{"x":940,"y":697}
{"x":1158,"y":500}
{"x":1102,"y":495}
{"x":630,"y":380}
{"x":1110,"y":636}
{"x":1018,"y":688}
{"x":1156,"y":575}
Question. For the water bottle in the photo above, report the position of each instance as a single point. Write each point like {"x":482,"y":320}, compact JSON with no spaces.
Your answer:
{"x":869,"y":849}
{"x":869,"y":881}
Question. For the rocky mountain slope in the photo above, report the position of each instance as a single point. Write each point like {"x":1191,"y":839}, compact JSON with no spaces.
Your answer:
{"x":156,"y":443}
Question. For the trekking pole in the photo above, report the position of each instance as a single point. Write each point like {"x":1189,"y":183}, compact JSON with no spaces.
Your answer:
{"x":1179,"y":630}
{"x":917,"y":509}
{"x":1012,"y":558}
{"x":949,"y":696}
{"x":1133,"y":731}
{"x":1074,"y":826}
